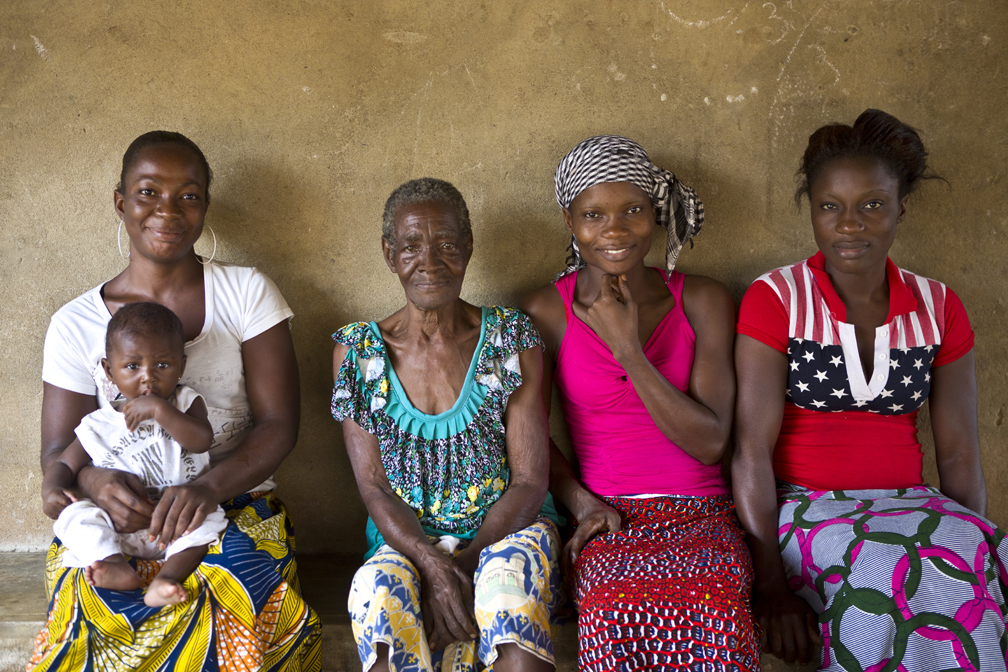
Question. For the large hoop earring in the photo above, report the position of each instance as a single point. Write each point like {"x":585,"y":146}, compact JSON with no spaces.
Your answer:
{"x":214,"y":253}
{"x":119,"y":241}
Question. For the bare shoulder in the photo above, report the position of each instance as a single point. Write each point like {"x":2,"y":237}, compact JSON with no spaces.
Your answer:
{"x":707,"y":301}
{"x":546,"y":309}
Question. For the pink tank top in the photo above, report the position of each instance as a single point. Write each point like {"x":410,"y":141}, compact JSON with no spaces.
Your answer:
{"x":620,"y":449}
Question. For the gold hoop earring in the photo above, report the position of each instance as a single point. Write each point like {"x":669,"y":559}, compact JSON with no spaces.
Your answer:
{"x":119,"y":241}
{"x":214,"y":253}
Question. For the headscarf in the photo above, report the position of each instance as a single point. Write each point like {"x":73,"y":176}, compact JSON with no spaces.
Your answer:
{"x":611,"y":158}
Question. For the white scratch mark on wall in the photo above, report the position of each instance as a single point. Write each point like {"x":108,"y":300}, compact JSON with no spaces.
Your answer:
{"x":754,"y":90}
{"x":776,"y":114}
{"x":787,"y":27}
{"x":306,"y":89}
{"x":707,"y":100}
{"x":735,"y":99}
{"x":704,"y":23}
{"x":985,"y":39}
{"x":821,"y":58}
{"x":404,"y":37}
{"x":664,"y":97}
{"x":614,"y":71}
{"x":42,"y":51}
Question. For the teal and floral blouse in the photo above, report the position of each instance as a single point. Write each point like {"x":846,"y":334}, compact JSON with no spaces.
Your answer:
{"x":451,"y":467}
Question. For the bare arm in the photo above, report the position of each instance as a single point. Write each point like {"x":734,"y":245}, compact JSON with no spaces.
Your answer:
{"x":953,"y":406}
{"x":58,"y":482}
{"x":446,"y":590}
{"x":272,"y":383}
{"x":527,"y":436}
{"x":699,"y":421}
{"x":788,"y":623}
{"x":594,"y":516}
{"x":191,"y":429}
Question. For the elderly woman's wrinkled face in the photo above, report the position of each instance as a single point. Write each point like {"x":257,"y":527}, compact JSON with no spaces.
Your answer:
{"x":430,"y":253}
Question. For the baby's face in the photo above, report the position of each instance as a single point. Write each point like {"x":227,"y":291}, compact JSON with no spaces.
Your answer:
{"x":142,"y":365}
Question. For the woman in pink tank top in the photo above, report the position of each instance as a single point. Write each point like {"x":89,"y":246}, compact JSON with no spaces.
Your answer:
{"x":642,"y":359}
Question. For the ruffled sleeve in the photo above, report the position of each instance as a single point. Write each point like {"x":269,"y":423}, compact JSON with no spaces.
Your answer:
{"x":508,"y":333}
{"x":361,"y":387}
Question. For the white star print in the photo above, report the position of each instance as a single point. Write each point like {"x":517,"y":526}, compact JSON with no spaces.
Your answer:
{"x":787,"y":392}
{"x":904,"y":350}
{"x":836,"y":361}
{"x":916,"y":395}
{"x":794,"y":366}
{"x":860,"y":402}
{"x":886,"y":393}
{"x":808,"y":356}
{"x":839,"y":394}
{"x":896,"y":407}
{"x":893,"y":363}
{"x":821,"y":375}
{"x":928,"y":348}
{"x":906,"y":381}
{"x":927,"y":377}
{"x":917,"y":364}
{"x":818,"y":404}
{"x":803,"y":386}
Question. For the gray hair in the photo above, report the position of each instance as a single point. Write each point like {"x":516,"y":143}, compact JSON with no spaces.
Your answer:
{"x":422,"y":190}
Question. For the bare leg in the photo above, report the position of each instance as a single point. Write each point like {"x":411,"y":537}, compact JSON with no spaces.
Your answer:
{"x":113,"y":573}
{"x":167,"y":588}
{"x":512,"y":658}
{"x":381,"y":663}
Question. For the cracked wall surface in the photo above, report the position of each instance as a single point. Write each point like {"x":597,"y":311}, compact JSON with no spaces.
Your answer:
{"x":311,"y":113}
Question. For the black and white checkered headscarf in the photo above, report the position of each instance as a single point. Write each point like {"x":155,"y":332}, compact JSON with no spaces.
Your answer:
{"x":611,"y":158}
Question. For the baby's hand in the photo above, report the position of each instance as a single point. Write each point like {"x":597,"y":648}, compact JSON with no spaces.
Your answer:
{"x":142,"y":408}
{"x":54,"y":500}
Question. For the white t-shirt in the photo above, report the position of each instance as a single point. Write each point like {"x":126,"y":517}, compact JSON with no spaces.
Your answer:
{"x":240,"y":303}
{"x":148,"y":451}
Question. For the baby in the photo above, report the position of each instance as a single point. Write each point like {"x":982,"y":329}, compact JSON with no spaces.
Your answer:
{"x":157,"y":431}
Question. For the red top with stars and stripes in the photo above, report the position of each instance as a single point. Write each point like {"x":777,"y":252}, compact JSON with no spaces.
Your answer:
{"x":843,"y":430}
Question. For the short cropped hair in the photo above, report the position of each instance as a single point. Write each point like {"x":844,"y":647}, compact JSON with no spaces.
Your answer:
{"x":875,"y":134}
{"x":158,"y":138}
{"x":143,"y":318}
{"x":421,"y":190}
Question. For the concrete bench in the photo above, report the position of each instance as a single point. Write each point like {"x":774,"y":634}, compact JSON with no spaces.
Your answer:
{"x":325,"y":581}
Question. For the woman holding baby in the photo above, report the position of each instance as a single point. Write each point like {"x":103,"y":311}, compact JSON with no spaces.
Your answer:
{"x":244,"y":602}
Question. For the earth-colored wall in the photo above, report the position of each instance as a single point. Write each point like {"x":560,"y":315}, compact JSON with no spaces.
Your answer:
{"x":311,"y":112}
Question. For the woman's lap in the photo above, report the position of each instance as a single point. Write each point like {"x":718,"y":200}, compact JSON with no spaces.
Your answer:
{"x":516,"y":591}
{"x":670,"y":589}
{"x":904,"y":577}
{"x":245,"y":611}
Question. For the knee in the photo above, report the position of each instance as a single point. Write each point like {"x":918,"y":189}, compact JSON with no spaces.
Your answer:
{"x":511,"y":657}
{"x":387,"y":573}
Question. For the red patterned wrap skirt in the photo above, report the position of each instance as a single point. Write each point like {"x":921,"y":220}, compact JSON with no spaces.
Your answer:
{"x":669,"y":591}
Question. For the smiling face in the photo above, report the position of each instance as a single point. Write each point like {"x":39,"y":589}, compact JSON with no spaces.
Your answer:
{"x":430,"y":254}
{"x":856,"y":208}
{"x":612,"y":223}
{"x":163,"y":202}
{"x":142,"y":364}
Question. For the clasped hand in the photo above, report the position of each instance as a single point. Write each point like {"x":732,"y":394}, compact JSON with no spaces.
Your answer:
{"x":789,"y":625}
{"x":122,"y":495}
{"x":446,"y":602}
{"x":138,"y":409}
{"x":613,"y":315}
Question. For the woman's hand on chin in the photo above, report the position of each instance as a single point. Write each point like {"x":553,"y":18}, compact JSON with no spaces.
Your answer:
{"x":447,"y":603}
{"x":181,"y":510}
{"x":599,"y":519}
{"x":790,"y":626}
{"x":120,"y":494}
{"x":613,"y":316}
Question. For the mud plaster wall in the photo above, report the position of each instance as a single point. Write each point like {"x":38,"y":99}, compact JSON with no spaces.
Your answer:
{"x":311,"y":114}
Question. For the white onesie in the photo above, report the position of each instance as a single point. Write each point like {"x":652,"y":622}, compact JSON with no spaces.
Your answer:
{"x":150,"y":453}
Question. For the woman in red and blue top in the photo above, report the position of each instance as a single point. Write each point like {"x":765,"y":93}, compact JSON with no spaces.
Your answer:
{"x":834,"y":356}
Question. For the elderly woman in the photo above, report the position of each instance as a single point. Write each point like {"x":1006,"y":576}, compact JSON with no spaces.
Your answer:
{"x":642,"y":359}
{"x":447,"y":434}
{"x":835,"y":356}
{"x":245,"y":609}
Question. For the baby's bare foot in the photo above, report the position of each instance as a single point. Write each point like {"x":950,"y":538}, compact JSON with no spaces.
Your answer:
{"x":165,"y":591}
{"x":113,"y":573}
